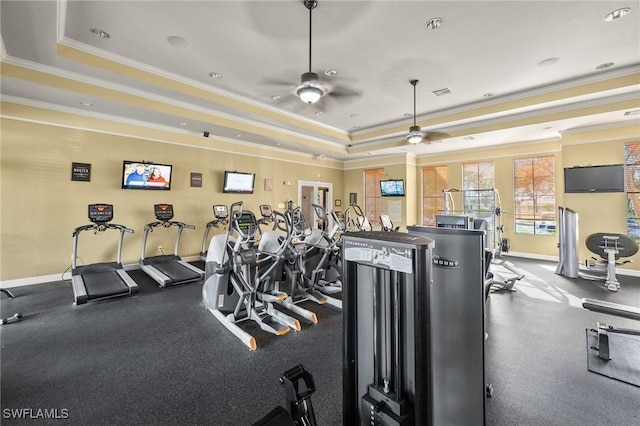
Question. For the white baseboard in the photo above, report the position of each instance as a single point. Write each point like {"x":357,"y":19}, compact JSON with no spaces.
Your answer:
{"x":41,"y":279}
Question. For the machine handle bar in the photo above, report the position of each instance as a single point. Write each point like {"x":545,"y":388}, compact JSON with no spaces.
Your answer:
{"x":93,"y":226}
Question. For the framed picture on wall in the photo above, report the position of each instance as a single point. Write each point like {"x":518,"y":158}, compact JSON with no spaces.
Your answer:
{"x":81,"y":172}
{"x":337,"y":203}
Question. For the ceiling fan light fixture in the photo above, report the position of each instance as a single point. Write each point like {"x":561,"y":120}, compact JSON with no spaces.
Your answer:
{"x":309,"y":93}
{"x":415,"y":135}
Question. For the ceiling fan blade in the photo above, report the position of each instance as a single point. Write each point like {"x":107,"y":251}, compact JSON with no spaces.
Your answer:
{"x":277,"y":82}
{"x":343,"y":92}
{"x":435,"y":136}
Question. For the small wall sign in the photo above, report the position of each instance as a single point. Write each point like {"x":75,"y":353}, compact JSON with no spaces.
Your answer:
{"x":81,"y":172}
{"x":196,"y":180}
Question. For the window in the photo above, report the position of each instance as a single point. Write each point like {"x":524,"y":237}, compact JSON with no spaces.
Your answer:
{"x":434,"y":181}
{"x":372,"y":197}
{"x":535,"y":199}
{"x":478,"y":194}
{"x":632,"y":187}
{"x":477,"y":186}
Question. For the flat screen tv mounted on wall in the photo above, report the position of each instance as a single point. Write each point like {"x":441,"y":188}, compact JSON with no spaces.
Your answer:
{"x":392,"y":188}
{"x":238,"y":182}
{"x":140,"y":175}
{"x":607,"y":178}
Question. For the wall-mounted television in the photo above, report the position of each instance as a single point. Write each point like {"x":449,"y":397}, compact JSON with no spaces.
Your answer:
{"x":392,"y":188}
{"x":238,"y":182}
{"x":608,"y":178}
{"x":141,"y":175}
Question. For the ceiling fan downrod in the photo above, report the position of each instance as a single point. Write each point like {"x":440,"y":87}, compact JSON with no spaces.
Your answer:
{"x":310,"y":4}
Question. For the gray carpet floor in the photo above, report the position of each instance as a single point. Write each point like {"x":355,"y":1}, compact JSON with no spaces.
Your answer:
{"x":160,"y":358}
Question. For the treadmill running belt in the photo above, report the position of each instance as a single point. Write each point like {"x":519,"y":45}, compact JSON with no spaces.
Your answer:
{"x":177,"y":272}
{"x":104,"y":284}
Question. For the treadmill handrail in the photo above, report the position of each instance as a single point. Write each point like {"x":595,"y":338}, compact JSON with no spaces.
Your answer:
{"x":78,"y":230}
{"x":149,"y":228}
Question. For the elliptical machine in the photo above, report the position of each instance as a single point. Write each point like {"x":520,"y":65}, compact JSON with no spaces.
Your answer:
{"x":310,"y":255}
{"x":277,"y":281}
{"x":230,"y":290}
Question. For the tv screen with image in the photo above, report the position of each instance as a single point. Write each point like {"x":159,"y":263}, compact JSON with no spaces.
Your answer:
{"x":238,"y":182}
{"x":392,"y":188}
{"x":139,"y":175}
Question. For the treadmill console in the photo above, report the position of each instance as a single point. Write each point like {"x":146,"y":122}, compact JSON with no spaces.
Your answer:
{"x":100,"y":213}
{"x":265,"y":211}
{"x":220,"y":211}
{"x":164,"y":212}
{"x":386,"y":222}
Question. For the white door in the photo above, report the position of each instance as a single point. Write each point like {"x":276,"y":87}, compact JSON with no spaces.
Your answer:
{"x":315,"y":193}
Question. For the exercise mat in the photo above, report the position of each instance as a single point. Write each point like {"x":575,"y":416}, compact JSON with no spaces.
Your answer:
{"x":624,"y":350}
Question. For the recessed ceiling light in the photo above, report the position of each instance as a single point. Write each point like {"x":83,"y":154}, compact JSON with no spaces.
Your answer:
{"x":434,"y":23}
{"x":215,"y":75}
{"x":182,"y":123}
{"x":488,"y":95}
{"x":441,"y":92}
{"x":238,"y":135}
{"x":97,"y":32}
{"x":407,"y":114}
{"x":319,"y":112}
{"x":177,"y":41}
{"x":355,"y":127}
{"x":604,"y":66}
{"x":548,"y":62}
{"x":469,"y":138}
{"x":330,"y":72}
{"x":617,"y":14}
{"x":354,"y":115}
{"x":275,"y":97}
{"x":86,"y":104}
{"x":632,"y":112}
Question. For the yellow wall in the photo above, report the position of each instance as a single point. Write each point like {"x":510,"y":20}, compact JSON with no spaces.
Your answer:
{"x":41,"y":205}
{"x":597,"y":212}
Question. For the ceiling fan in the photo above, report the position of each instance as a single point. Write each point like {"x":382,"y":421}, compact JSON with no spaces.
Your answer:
{"x":416,"y":134}
{"x":311,"y":88}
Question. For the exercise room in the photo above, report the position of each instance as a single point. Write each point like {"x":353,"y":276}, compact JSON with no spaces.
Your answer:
{"x":301,"y":212}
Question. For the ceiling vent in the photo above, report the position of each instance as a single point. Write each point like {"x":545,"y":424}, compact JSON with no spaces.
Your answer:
{"x":632,"y":112}
{"x":441,"y":92}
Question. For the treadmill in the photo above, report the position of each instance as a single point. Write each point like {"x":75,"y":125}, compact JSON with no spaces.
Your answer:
{"x":100,"y":280}
{"x":168,"y":269}
{"x":221,"y":213}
